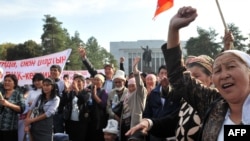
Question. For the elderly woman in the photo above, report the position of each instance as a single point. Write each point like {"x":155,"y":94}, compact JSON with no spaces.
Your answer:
{"x":98,"y":114}
{"x":41,"y":121}
{"x":11,"y":104}
{"x":230,"y":76}
{"x":134,"y":101}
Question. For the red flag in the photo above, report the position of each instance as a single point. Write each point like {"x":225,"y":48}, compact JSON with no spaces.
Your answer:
{"x":163,"y":5}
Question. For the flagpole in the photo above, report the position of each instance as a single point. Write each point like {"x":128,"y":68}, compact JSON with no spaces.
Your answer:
{"x":223,"y":20}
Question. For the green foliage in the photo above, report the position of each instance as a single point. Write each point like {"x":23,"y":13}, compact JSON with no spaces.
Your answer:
{"x":74,"y":61}
{"x":54,"y":38}
{"x":239,"y":39}
{"x":204,"y":43}
{"x":29,"y":49}
{"x":3,"y":50}
{"x":248,"y":45}
{"x":97,"y":55}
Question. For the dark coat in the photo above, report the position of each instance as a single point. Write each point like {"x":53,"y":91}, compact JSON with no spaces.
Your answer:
{"x":197,"y":95}
{"x":83,"y":99}
{"x":154,"y":106}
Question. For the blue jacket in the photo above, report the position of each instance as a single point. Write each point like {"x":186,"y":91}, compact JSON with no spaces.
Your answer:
{"x":155,"y":108}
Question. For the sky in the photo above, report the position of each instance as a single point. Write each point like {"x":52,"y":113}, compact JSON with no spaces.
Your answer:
{"x":114,"y":20}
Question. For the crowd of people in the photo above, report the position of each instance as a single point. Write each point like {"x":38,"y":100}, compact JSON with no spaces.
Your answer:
{"x":182,"y":101}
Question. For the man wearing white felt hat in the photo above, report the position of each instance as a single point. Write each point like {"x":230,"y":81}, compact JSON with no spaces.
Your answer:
{"x":117,"y":93}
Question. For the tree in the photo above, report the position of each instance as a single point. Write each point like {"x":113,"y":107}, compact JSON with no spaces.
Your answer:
{"x":28,"y":49}
{"x":108,"y":57}
{"x":3,"y":50}
{"x":97,"y":55}
{"x":74,"y":61}
{"x":248,"y":45}
{"x":238,"y":38}
{"x":55,"y":38}
{"x":33,"y":49}
{"x":204,"y":43}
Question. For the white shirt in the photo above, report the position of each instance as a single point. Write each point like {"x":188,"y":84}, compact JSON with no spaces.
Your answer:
{"x":33,"y":94}
{"x":75,"y":110}
{"x":108,"y":86}
{"x":228,"y":121}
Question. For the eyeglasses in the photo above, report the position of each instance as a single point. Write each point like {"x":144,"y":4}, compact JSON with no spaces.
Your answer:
{"x":116,"y":82}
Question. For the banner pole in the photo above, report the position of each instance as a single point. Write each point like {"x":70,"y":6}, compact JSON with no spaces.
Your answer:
{"x":224,"y":23}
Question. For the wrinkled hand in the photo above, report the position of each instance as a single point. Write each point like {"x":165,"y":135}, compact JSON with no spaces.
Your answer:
{"x":82,"y":52}
{"x":143,"y":126}
{"x":184,"y":17}
{"x":228,"y":39}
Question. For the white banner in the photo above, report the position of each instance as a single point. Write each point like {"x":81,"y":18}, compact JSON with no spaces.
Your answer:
{"x":25,"y":69}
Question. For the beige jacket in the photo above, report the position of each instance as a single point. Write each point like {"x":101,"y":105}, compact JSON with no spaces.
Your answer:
{"x":110,"y":99}
{"x":137,"y":101}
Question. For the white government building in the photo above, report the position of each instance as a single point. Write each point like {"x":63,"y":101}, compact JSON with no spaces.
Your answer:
{"x":131,"y":49}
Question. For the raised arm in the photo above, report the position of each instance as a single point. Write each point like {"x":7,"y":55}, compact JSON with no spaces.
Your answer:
{"x":181,"y":19}
{"x":122,"y":59}
{"x":139,"y":82}
{"x":140,"y":95}
{"x":172,"y":51}
{"x":86,"y":62}
{"x":227,"y":39}
{"x":173,"y":56}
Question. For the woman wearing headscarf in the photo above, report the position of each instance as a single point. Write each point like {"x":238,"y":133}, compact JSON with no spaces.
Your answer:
{"x":134,"y":101}
{"x":212,"y":105}
{"x":98,"y":113}
{"x":229,"y":102}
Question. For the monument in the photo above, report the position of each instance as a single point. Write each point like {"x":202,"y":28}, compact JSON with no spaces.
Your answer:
{"x":146,"y":57}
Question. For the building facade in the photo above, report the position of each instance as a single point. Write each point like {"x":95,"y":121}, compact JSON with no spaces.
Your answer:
{"x":131,"y":49}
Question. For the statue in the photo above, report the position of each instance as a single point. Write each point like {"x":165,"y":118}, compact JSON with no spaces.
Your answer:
{"x":146,"y":57}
